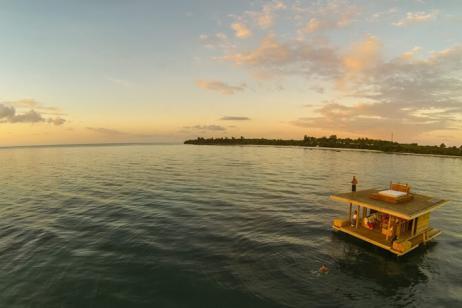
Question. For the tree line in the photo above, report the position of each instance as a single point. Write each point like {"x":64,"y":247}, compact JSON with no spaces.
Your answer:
{"x":334,"y":142}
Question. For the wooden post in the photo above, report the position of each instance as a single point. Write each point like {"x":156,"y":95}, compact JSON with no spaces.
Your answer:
{"x":357,"y":217}
{"x":394,"y":227}
{"x":349,"y":220}
{"x":389,"y":227}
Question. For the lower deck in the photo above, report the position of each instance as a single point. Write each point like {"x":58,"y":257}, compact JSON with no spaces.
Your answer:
{"x":376,"y":237}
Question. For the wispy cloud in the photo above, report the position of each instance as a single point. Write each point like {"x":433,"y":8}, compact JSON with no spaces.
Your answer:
{"x":324,"y":16}
{"x":30,"y":116}
{"x":241,"y":30}
{"x":107,"y":131}
{"x":330,"y":21}
{"x":378,"y":16}
{"x":56,"y":121}
{"x":219,"y":86}
{"x":234,"y":118}
{"x":9,"y":114}
{"x":29,"y":103}
{"x":211,"y":127}
{"x":312,"y":25}
{"x":264,"y":17}
{"x":120,"y":82}
{"x":276,"y":57}
{"x":216,"y":41}
{"x":416,"y":17}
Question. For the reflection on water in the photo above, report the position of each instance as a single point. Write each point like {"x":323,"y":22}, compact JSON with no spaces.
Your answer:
{"x":208,"y":226}
{"x":388,"y":272}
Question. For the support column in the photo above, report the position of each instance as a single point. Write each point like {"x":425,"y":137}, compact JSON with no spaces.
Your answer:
{"x":390,"y":225}
{"x":349,"y":216}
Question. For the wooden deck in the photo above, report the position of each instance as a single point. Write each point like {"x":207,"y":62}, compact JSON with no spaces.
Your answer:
{"x":376,"y":238}
{"x":416,"y":207}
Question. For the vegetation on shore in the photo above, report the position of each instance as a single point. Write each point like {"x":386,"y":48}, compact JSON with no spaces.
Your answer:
{"x":334,"y":142}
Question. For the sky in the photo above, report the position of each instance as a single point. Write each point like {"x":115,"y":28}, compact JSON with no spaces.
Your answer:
{"x":164,"y":71}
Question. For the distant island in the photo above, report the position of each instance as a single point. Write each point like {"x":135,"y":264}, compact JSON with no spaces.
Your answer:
{"x":335,"y":142}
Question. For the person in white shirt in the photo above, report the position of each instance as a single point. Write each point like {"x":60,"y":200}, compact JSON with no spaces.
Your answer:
{"x":355,"y":216}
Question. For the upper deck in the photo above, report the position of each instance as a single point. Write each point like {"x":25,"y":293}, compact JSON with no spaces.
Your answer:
{"x":416,"y":207}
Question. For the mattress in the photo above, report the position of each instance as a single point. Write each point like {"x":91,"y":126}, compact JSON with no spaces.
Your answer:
{"x":392,"y":193}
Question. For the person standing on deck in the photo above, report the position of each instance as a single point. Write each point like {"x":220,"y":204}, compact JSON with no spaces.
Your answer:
{"x":353,"y":184}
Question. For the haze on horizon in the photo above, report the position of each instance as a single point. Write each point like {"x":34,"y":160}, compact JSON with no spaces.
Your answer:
{"x":149,"y":71}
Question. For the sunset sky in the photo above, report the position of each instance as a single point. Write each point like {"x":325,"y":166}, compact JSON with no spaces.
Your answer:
{"x":164,"y":71}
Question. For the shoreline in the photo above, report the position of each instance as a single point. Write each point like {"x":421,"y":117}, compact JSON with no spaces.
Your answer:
{"x":333,"y":149}
{"x":330,"y":144}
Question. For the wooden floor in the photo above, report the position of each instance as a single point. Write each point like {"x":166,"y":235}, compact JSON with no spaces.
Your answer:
{"x":372,"y":236}
{"x":376,"y":238}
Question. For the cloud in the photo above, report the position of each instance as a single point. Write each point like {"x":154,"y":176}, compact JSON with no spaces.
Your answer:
{"x":316,"y":24}
{"x":400,"y":93}
{"x":376,"y":118}
{"x":404,"y":94}
{"x":275,"y":58}
{"x":319,"y":90}
{"x":377,"y":16}
{"x":269,"y":51}
{"x":265,"y":18}
{"x":320,"y":16}
{"x":362,"y":55}
{"x":361,"y":58}
{"x":31,"y":116}
{"x":219,"y":86}
{"x":234,"y":118}
{"x":113,"y":133}
{"x":241,"y":30}
{"x":107,"y":131}
{"x":8,"y":113}
{"x":375,"y":91}
{"x":416,"y":17}
{"x":56,"y":121}
{"x":312,"y":25}
{"x":120,"y":82}
{"x":409,"y":55}
{"x":315,"y":15}
{"x":216,"y":41}
{"x":29,"y":103}
{"x":212,"y":127}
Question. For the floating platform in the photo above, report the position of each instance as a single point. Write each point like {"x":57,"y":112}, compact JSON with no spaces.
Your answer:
{"x":393,"y":219}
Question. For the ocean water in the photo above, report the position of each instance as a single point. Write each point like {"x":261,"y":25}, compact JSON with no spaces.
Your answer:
{"x":213,"y":226}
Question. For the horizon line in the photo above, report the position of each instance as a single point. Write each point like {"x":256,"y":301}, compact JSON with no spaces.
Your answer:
{"x":86,"y":144}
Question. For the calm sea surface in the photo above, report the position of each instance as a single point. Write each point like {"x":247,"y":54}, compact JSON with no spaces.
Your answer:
{"x":213,"y":226}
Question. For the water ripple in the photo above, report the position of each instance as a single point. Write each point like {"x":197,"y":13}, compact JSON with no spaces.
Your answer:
{"x":204,"y":226}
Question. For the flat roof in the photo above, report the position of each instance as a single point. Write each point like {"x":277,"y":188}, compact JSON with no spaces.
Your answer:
{"x":416,"y":207}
